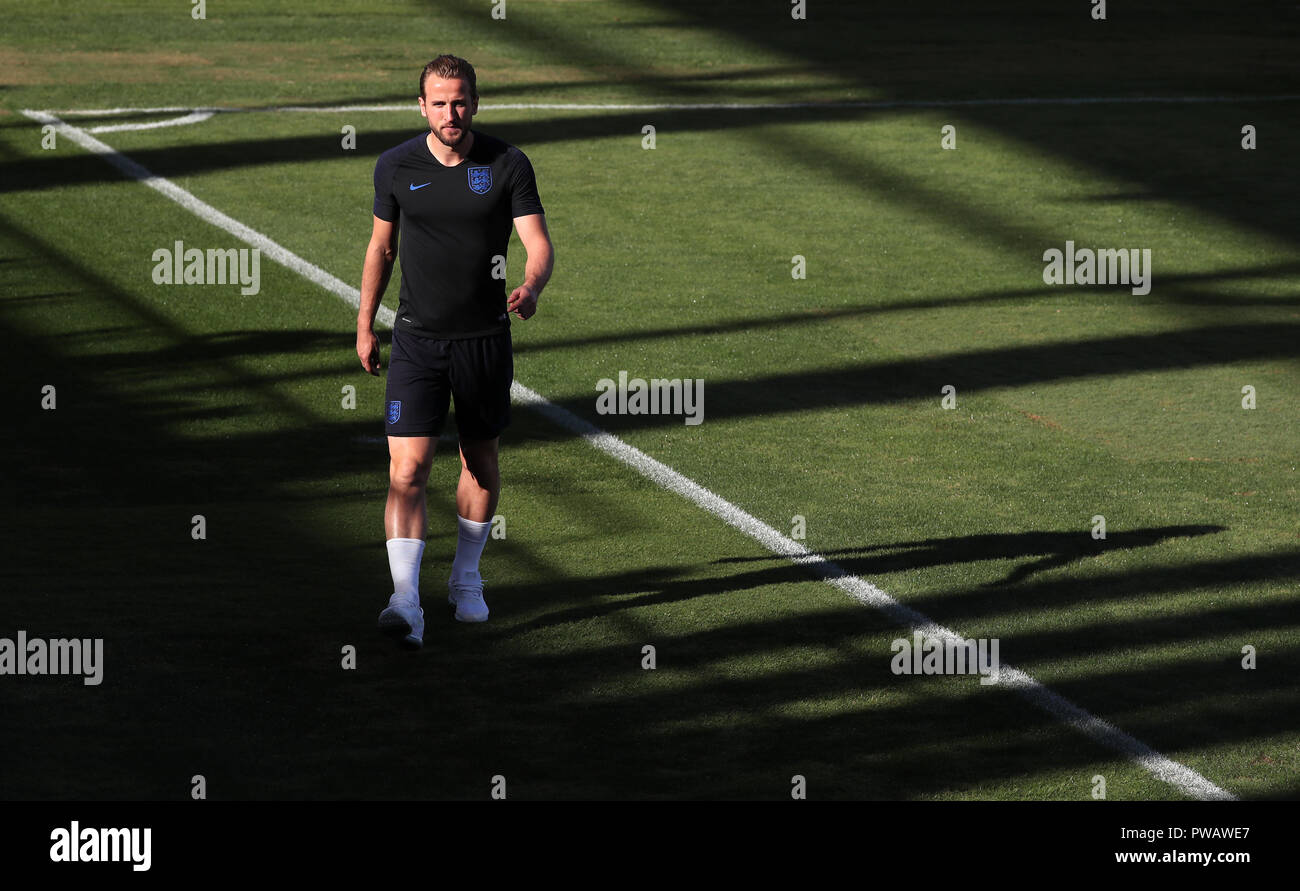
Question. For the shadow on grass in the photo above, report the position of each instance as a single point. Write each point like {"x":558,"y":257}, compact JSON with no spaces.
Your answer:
{"x":1057,"y":549}
{"x":223,"y":656}
{"x":921,"y":378}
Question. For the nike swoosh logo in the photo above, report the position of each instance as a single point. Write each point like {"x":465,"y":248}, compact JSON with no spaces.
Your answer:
{"x":421,"y":186}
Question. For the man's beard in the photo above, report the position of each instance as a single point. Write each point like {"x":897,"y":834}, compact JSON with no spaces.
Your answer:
{"x":437,"y":134}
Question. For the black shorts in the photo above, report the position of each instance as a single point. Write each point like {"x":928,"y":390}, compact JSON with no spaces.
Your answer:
{"x":425,"y":375}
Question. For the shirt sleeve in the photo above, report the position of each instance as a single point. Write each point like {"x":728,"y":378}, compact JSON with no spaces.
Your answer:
{"x":385,"y":204}
{"x":524,"y":200}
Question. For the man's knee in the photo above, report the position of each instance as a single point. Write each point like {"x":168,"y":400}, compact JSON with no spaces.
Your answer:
{"x":407,"y":473}
{"x":479,"y":457}
{"x":409,"y":469}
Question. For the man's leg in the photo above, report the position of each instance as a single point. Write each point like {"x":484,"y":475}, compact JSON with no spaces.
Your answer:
{"x":481,"y":372}
{"x":476,"y":500}
{"x":480,"y":479}
{"x":416,"y":398}
{"x":409,"y":460}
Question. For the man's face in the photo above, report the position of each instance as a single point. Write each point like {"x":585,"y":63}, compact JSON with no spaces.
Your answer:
{"x":447,"y":106}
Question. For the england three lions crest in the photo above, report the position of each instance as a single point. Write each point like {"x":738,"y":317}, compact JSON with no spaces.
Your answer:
{"x":480,"y":180}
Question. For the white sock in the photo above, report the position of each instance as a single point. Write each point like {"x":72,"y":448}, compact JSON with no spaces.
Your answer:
{"x":404,"y":562}
{"x":469,"y":546}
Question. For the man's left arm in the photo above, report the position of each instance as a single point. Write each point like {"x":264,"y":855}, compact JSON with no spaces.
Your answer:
{"x":541,"y":260}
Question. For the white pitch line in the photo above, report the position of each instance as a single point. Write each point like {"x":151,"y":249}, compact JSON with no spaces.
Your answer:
{"x":195,"y":118}
{"x":710,"y":106}
{"x":1103,"y":732}
{"x":206,"y":211}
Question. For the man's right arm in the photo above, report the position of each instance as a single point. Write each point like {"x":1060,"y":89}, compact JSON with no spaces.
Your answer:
{"x":380,"y":256}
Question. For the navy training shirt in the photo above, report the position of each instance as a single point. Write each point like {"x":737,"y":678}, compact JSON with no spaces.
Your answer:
{"x":453,"y":220}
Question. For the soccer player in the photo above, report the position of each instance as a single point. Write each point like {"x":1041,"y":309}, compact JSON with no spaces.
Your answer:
{"x":454,"y":193}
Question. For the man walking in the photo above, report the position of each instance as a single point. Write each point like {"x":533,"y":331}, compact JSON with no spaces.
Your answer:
{"x":454,"y":192}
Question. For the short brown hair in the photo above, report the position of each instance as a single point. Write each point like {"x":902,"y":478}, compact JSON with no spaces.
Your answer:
{"x":446,"y":66}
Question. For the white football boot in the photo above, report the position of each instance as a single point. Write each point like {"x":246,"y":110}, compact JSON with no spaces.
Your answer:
{"x":466,"y":594}
{"x":404,"y":620}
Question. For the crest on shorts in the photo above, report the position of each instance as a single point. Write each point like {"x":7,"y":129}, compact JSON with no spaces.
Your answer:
{"x":480,"y":180}
{"x":394,"y":411}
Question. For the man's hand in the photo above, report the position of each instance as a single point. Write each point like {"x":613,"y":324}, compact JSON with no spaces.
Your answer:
{"x":522,"y":302}
{"x":380,"y":255}
{"x":368,"y":349}
{"x":537,"y":272}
